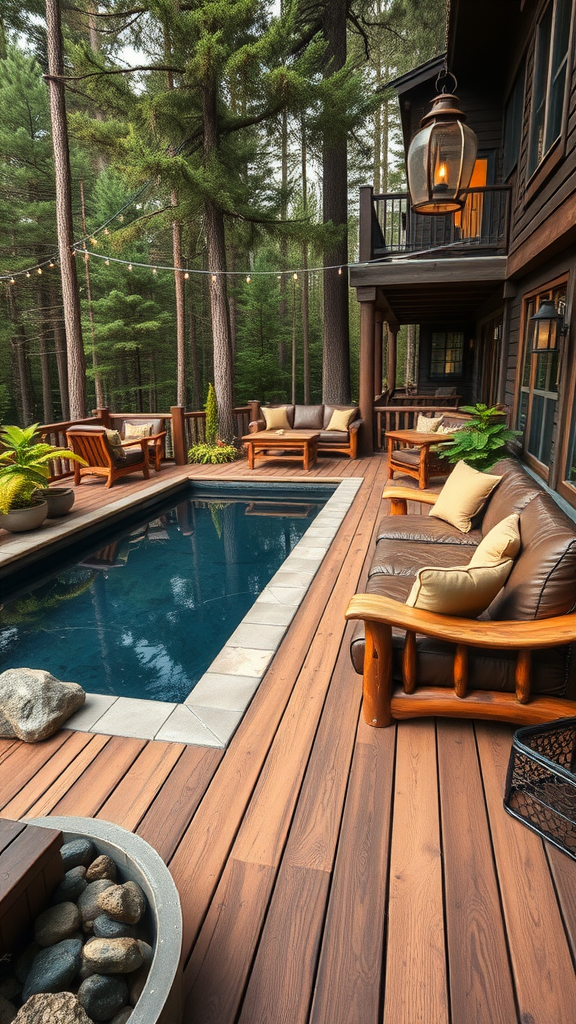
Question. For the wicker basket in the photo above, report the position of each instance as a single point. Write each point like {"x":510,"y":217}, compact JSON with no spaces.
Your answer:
{"x":541,"y":782}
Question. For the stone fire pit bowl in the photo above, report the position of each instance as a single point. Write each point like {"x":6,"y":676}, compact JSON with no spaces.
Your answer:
{"x":161,"y":999}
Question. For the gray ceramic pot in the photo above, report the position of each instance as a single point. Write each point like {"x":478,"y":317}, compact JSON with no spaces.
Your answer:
{"x":60,"y":500}
{"x":18,"y":520}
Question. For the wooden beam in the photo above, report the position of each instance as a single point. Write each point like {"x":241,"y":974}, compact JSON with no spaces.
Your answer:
{"x":377,"y":355}
{"x":392,"y":355}
{"x":366,"y":439}
{"x":469,"y":269}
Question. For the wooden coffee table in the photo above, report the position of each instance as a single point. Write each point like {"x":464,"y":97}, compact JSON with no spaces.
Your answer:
{"x":289,"y":445}
{"x":416,"y":439}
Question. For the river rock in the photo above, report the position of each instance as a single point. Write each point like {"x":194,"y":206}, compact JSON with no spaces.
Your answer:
{"x":88,"y":902}
{"x":54,"y":968}
{"x":102,"y":867}
{"x":57,"y":923}
{"x":113,"y":956}
{"x":102,"y":996}
{"x":52,"y":1008}
{"x":34,"y":704}
{"x":25,"y":960}
{"x":71,"y":886}
{"x":106,"y":928}
{"x":7,"y":1011}
{"x":123,"y":902}
{"x":123,"y":1017}
{"x":10,"y":986}
{"x":78,"y":852}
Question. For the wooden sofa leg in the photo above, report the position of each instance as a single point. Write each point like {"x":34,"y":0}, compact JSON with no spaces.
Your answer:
{"x":378,"y":675}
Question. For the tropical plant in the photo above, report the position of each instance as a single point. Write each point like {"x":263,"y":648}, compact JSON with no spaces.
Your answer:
{"x":214,"y":453}
{"x":24,"y":465}
{"x":482,"y":440}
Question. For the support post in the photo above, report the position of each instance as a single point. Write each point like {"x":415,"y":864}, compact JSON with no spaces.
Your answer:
{"x":366,"y":437}
{"x":393,"y":329}
{"x":179,"y":435}
{"x":104,"y":417}
{"x":378,"y":355}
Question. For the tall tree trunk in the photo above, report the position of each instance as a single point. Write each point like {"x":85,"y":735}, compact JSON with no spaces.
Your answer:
{"x":47,"y":404}
{"x":283,"y":308}
{"x":100,"y":401}
{"x":216,"y":251}
{"x":70,"y":296}
{"x":195,"y":356}
{"x":305,"y":293}
{"x":60,"y":349}
{"x":336,"y":346}
{"x":177,"y":260}
{"x":19,"y":345}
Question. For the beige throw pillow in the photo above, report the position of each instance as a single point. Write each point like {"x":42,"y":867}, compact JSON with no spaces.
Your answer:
{"x":341,"y":419}
{"x":463,"y":495}
{"x":115,"y":442}
{"x":428,"y":424}
{"x":502,"y":541}
{"x":136,"y":431}
{"x":276,"y":419}
{"x":461,"y":590}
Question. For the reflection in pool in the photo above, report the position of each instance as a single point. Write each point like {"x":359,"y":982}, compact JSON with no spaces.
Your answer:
{"x":145,"y":615}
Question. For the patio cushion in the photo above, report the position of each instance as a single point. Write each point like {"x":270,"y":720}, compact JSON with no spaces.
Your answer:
{"x":329,"y":409}
{"x":341,"y":419}
{"x":502,"y":541}
{"x":115,"y":444}
{"x":407,"y":456}
{"x":308,"y":417}
{"x":428,"y":424}
{"x":156,"y":426}
{"x":423,"y":528}
{"x":458,"y":590}
{"x":513,"y":493}
{"x":334,"y":437}
{"x":276,"y":418}
{"x":391,"y":558}
{"x":135,"y":431}
{"x":463,"y":496}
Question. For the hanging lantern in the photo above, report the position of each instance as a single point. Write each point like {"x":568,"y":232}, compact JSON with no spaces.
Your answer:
{"x":441,"y":157}
{"x":548,"y":324}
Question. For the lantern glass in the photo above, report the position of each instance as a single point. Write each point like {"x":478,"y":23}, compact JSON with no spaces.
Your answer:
{"x":545,"y":335}
{"x":441,"y":159}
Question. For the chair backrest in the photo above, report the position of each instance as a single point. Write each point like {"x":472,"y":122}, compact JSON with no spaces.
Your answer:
{"x":91,"y":443}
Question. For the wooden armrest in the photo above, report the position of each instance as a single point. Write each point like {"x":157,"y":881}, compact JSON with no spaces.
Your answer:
{"x":410,"y":494}
{"x":355,"y":425}
{"x":142,"y":441}
{"x":155,"y":437}
{"x":516,"y":635}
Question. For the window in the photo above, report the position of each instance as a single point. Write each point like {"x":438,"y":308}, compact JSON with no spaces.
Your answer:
{"x":447,"y":354}
{"x":549,"y":80}
{"x":539,"y":384}
{"x":513,"y":124}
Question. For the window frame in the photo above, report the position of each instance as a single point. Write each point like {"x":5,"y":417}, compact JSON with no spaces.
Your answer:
{"x":455,"y":374}
{"x":556,"y":151}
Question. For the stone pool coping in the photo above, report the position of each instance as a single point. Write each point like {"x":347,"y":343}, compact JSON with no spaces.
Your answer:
{"x":212,"y":711}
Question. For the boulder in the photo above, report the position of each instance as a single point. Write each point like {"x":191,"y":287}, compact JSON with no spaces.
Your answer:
{"x":34,"y":704}
{"x":52,"y":1008}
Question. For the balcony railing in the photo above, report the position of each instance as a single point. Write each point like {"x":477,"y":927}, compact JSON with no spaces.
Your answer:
{"x":481,"y":227}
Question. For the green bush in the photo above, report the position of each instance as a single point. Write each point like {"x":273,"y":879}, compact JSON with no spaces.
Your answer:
{"x":483,"y":439}
{"x":211,"y":429}
{"x":214,"y":453}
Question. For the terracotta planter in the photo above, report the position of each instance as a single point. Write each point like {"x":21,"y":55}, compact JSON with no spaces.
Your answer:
{"x":60,"y":500}
{"x":18,"y":520}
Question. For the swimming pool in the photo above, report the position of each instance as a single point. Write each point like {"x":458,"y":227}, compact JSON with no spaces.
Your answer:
{"x":145,"y":614}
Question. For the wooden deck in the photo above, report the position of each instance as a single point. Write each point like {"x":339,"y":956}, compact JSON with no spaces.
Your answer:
{"x":331,"y":873}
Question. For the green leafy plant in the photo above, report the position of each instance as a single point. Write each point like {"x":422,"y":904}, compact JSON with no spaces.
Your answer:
{"x":211,"y":428}
{"x":24,"y":466}
{"x":482,"y":440}
{"x":215,"y":453}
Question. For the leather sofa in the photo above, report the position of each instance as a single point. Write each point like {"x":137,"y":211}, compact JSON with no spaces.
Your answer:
{"x":317,"y":417}
{"x":496,"y":650}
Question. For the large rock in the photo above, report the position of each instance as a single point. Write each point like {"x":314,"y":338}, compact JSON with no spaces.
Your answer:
{"x":124,"y":902}
{"x":54,"y":968}
{"x":57,"y":923}
{"x":102,"y":997}
{"x":52,"y":1008}
{"x":113,"y":956}
{"x":34,"y":704}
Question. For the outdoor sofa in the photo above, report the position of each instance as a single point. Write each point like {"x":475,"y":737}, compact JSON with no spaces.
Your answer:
{"x":317,"y":417}
{"x":515,"y":661}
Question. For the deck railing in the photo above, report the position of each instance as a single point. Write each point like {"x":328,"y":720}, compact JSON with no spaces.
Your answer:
{"x":404,"y":417}
{"x":389,"y":226}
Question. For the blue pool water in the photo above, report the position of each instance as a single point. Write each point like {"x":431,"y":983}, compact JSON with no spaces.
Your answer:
{"x":145,"y":612}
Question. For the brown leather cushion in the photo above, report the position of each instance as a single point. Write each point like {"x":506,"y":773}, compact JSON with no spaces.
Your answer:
{"x":543,"y":580}
{"x":334,"y":437}
{"x":513,"y":493}
{"x":407,"y":456}
{"x":329,"y":409}
{"x":426,"y":529}
{"x":134,"y":457}
{"x":393,"y":559}
{"x":308,"y":417}
{"x":435,"y":659}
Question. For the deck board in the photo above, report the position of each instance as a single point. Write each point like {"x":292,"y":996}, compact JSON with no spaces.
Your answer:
{"x":329,"y":873}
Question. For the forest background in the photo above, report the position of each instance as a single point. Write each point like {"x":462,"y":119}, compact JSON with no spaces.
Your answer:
{"x":216,"y":148}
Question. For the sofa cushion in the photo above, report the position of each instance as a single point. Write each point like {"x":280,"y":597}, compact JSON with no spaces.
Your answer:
{"x":339,"y":437}
{"x":135,"y":431}
{"x":543,"y":580}
{"x":308,"y":417}
{"x":276,"y":417}
{"x":513,"y":493}
{"x":428,"y":424}
{"x":115,"y":444}
{"x":407,"y":456}
{"x":156,"y":426}
{"x":391,"y":558}
{"x":329,"y":409}
{"x":463,"y":496}
{"x":341,"y":419}
{"x":427,"y":530}
{"x":459,"y":590}
{"x":502,"y":541}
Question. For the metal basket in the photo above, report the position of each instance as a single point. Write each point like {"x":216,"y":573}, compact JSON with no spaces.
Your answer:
{"x":541,"y":782}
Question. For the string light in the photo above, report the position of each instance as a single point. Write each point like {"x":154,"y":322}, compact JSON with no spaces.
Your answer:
{"x":295,"y":277}
{"x":93,"y":241}
{"x":339,"y":270}
{"x":106,"y":232}
{"x":248,"y":279}
{"x":12,"y":281}
{"x":186,"y":276}
{"x":214,"y":278}
{"x":27,"y":273}
{"x":130,"y":267}
{"x":39,"y":271}
{"x":154,"y":271}
{"x":107,"y":262}
{"x":51,"y":265}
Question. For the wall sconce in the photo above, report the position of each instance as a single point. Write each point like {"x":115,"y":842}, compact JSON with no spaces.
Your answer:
{"x":548,"y":324}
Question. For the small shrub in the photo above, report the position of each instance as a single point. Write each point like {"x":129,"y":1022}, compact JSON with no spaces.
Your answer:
{"x":483,"y":439}
{"x":211,"y":429}
{"x":214,"y":453}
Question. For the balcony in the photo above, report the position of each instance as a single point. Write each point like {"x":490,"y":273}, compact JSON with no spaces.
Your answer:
{"x":389,"y":227}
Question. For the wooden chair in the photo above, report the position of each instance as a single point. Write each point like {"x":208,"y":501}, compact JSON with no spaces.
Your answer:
{"x":91,"y":442}
{"x":156,"y":439}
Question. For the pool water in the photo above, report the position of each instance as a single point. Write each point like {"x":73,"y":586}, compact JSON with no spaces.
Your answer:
{"x":146,"y":614}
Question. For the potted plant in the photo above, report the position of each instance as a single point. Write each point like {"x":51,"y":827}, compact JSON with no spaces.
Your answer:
{"x":24,"y":477}
{"x":482,"y":440}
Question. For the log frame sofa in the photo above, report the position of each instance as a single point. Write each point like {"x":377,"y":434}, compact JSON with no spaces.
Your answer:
{"x":317,"y":417}
{"x":515,"y":663}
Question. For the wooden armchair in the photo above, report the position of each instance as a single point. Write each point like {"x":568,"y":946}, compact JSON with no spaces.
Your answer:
{"x":91,"y":442}
{"x":156,"y":439}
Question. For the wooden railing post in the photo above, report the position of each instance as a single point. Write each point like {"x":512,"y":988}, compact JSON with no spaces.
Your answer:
{"x":104,"y":416}
{"x":365,"y":239}
{"x":179,"y":435}
{"x":254,"y":410}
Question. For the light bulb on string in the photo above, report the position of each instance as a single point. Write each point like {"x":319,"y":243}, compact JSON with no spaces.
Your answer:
{"x":39,"y":271}
{"x":154,"y":270}
{"x":106,"y":232}
{"x":248,"y":279}
{"x":107,"y":262}
{"x":12,"y":280}
{"x":51,"y":264}
{"x":295,"y":277}
{"x":186,"y":276}
{"x":27,"y":273}
{"x":339,"y":270}
{"x":130,"y":267}
{"x":93,"y":241}
{"x":214,"y":278}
